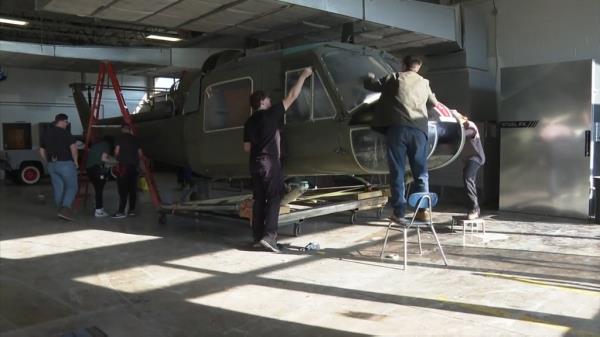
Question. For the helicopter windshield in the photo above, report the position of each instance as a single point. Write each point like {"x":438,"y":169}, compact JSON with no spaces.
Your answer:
{"x":349,"y":71}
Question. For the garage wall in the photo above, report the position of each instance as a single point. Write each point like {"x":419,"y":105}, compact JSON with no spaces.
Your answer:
{"x":529,"y":32}
{"x":547,"y":31}
{"x":523,"y":32}
{"x":33,"y":96}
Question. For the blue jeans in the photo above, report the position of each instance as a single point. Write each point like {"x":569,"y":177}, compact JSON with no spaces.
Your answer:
{"x":63,"y":175}
{"x":402,"y":142}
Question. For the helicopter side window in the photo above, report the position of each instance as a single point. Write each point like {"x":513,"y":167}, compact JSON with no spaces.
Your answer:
{"x":226,"y":104}
{"x":300,"y":110}
{"x":322,"y":107}
{"x":313,"y":101}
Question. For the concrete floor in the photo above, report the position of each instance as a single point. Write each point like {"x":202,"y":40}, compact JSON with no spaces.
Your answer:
{"x":529,"y":276}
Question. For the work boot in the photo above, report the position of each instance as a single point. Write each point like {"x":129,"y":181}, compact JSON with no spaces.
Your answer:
{"x":66,"y":213}
{"x":423,"y":214}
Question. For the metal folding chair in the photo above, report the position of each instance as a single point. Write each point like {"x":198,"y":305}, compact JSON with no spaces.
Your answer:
{"x":416,"y":200}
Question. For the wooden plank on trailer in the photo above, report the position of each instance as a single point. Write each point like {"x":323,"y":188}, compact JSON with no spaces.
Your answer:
{"x":368,"y":195}
{"x":245,"y":209}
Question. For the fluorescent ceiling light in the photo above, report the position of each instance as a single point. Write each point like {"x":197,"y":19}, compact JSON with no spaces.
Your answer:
{"x":14,"y":22}
{"x":163,"y":38}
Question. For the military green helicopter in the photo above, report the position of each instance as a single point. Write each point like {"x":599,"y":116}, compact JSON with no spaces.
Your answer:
{"x":199,"y":122}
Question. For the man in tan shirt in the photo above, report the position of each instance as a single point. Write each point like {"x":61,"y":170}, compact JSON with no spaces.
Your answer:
{"x":402,"y":110}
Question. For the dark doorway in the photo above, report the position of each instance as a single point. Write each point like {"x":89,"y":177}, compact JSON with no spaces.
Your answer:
{"x":17,"y":136}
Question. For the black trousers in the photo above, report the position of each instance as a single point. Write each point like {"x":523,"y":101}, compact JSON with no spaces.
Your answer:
{"x":469,"y":180}
{"x":127,"y":186}
{"x":267,"y":191}
{"x":98,"y":180}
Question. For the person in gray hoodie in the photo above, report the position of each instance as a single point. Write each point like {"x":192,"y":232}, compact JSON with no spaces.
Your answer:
{"x":474,"y":158}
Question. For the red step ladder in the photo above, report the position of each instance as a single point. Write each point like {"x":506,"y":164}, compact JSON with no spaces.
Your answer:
{"x":107,"y":68}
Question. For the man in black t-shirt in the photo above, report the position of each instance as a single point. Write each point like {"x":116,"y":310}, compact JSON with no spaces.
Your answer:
{"x":262,"y":139}
{"x":59,"y":149}
{"x":128,"y":154}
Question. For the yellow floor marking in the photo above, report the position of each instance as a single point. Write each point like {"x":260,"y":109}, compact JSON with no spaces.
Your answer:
{"x":549,"y":284}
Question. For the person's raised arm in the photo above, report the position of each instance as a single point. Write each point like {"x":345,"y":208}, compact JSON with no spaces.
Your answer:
{"x":373,"y":84}
{"x":297,"y":88}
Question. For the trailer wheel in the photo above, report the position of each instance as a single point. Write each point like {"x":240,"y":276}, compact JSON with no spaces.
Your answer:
{"x":353,"y":217}
{"x":297,"y":229}
{"x":162,"y":219}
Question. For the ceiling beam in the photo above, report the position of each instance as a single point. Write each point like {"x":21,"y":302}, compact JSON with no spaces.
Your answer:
{"x":191,"y":58}
{"x":420,"y":17}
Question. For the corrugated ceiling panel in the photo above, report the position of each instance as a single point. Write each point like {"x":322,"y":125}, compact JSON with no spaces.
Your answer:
{"x":241,"y":30}
{"x":288,"y":16}
{"x":183,"y":12}
{"x":133,"y":10}
{"x":285,"y":32}
{"x":75,"y":7}
{"x":219,"y":20}
{"x":258,"y":6}
{"x":205,"y":26}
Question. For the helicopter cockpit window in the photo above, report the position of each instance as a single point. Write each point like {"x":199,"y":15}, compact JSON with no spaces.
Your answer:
{"x":227,"y":104}
{"x":349,"y":71}
{"x":313,"y":101}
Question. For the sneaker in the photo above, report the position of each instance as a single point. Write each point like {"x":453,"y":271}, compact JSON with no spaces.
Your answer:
{"x":270,"y":244}
{"x":131,"y":213}
{"x":66,"y":213}
{"x":472,"y":215}
{"x":423,"y":214}
{"x":119,"y":215}
{"x":100,"y":213}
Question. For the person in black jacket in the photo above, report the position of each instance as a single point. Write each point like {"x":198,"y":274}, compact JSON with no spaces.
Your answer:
{"x":262,"y":139}
{"x":128,"y":154}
